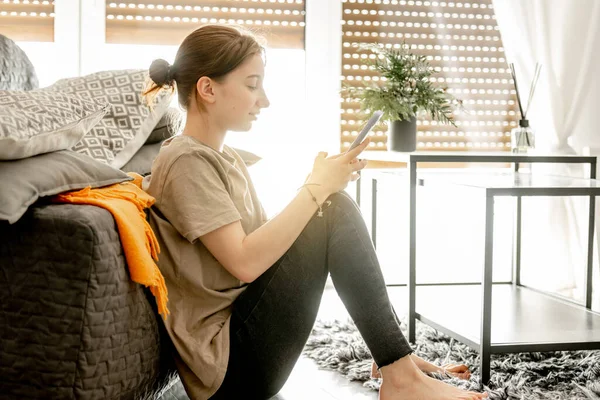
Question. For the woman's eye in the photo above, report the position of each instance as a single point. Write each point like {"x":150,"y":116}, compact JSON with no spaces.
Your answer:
{"x":252,"y":87}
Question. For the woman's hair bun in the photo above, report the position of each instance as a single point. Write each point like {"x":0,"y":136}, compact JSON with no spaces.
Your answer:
{"x":160,"y":73}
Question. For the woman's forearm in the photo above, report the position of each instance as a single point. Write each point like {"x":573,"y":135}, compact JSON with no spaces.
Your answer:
{"x":263,"y":247}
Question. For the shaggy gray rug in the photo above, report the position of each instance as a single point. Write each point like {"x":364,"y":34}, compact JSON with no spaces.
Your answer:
{"x":570,"y":375}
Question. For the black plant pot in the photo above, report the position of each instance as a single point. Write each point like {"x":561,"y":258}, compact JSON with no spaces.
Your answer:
{"x":402,"y":135}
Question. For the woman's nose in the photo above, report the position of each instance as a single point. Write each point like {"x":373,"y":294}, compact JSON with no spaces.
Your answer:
{"x":264,"y":101}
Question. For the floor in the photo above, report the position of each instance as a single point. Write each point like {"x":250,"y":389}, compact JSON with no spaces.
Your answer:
{"x":309,"y":382}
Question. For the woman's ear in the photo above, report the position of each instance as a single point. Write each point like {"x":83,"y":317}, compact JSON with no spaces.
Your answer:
{"x":205,"y":89}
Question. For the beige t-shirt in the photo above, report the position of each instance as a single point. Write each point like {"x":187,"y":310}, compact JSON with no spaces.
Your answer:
{"x":197,"y":190}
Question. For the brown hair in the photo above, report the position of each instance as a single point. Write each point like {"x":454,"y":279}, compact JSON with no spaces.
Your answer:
{"x":212,"y":51}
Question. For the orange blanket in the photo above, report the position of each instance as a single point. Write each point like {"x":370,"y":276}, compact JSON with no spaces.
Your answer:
{"x":127,"y":201}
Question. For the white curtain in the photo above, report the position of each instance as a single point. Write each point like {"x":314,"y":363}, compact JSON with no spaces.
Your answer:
{"x":564,"y":36}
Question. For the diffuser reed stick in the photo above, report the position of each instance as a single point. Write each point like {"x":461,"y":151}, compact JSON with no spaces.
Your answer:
{"x":514,"y":76}
{"x":536,"y":75}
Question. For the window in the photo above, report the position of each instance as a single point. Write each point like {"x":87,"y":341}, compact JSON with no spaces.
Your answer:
{"x":168,"y":21}
{"x":462,"y":42}
{"x":27,"y":20}
{"x":30,"y":23}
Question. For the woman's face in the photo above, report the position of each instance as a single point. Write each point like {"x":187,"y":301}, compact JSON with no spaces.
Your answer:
{"x":241,"y":95}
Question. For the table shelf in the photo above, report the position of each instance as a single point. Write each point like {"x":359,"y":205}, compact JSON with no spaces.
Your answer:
{"x":523,"y":319}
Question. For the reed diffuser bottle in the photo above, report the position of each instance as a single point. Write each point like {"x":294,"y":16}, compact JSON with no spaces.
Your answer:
{"x":522,"y":138}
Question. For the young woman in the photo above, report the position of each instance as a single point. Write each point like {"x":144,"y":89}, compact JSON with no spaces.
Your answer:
{"x":244,"y":291}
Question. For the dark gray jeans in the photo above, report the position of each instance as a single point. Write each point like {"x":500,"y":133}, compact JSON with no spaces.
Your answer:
{"x":272,"y":319}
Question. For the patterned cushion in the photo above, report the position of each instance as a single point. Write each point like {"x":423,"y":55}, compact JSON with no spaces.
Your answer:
{"x":123,"y":131}
{"x":36,"y":122}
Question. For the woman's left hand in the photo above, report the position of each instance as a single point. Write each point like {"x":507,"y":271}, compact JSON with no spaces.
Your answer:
{"x":460,"y":371}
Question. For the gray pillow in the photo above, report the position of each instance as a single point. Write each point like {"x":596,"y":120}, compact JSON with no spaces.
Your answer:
{"x":124,"y":130}
{"x":141,"y":162}
{"x":248,"y":157}
{"x":167,"y":127}
{"x":25,"y":181}
{"x":37,"y":122}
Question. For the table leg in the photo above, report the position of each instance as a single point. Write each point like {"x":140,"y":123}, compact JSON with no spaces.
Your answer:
{"x":374,"y":211}
{"x":516,"y":259}
{"x":486,"y":306}
{"x":516,"y":272}
{"x":358,"y":188}
{"x":412,"y":271}
{"x":590,"y":250}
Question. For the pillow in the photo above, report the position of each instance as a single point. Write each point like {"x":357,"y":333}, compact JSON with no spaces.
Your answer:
{"x":36,"y":122}
{"x":141,"y":162}
{"x":166,"y":127}
{"x":124,"y":130}
{"x":16,"y":70}
{"x":248,"y":157}
{"x":26,"y":180}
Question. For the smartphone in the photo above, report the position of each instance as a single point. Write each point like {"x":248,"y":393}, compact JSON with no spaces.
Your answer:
{"x":366,"y":129}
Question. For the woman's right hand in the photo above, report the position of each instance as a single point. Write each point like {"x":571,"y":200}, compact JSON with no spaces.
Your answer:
{"x":333,"y":173}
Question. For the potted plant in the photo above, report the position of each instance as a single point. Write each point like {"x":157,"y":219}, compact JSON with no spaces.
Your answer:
{"x":405,"y":93}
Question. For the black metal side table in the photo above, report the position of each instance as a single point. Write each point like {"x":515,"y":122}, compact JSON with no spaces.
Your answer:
{"x":556,"y":324}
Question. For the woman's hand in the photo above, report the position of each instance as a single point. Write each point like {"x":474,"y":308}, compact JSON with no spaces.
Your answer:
{"x":333,"y":173}
{"x":460,"y":371}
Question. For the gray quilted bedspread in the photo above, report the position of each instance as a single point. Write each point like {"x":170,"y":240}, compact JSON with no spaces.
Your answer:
{"x":72,"y":323}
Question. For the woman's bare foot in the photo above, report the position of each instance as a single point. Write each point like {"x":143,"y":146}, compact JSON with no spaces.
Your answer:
{"x":402,"y":380}
{"x":460,"y":371}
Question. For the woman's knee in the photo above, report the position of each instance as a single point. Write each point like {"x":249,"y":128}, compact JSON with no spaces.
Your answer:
{"x":345,"y":202}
